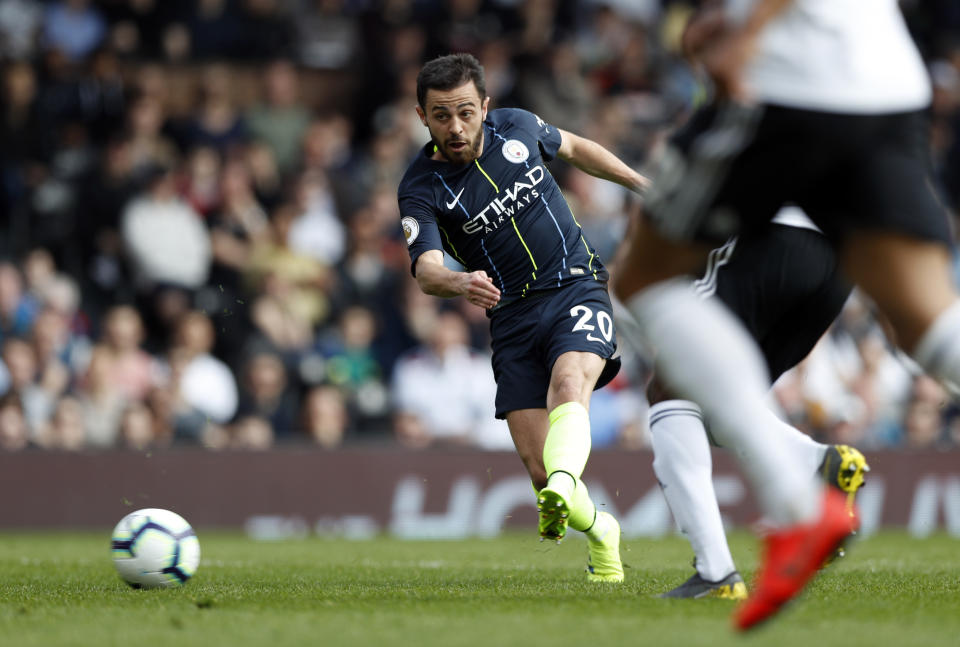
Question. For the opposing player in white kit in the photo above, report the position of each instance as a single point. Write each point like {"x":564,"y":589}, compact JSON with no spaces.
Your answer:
{"x":785,"y":285}
{"x":821,"y":103}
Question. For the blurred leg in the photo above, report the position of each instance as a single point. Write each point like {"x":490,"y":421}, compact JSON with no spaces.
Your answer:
{"x":909,"y":279}
{"x":700,"y":346}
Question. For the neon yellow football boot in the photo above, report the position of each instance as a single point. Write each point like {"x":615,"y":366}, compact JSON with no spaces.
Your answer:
{"x":603,"y":558}
{"x":844,"y":468}
{"x":554,"y":514}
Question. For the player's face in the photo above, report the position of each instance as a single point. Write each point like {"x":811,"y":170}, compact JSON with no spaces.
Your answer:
{"x":455,"y":120}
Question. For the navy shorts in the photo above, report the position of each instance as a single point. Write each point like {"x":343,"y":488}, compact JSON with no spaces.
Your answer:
{"x":528,"y":336}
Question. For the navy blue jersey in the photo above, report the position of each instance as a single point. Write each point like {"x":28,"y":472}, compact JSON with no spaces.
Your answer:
{"x":503,"y":213}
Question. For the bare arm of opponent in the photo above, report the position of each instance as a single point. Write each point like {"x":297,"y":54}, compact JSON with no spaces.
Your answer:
{"x":723,"y":47}
{"x":437,"y":280}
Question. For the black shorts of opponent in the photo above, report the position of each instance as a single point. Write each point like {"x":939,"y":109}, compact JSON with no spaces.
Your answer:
{"x":784,"y":284}
{"x":731,"y":167}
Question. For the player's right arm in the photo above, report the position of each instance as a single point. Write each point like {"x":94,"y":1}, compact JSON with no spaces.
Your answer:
{"x":436,"y":279}
{"x":422,"y":231}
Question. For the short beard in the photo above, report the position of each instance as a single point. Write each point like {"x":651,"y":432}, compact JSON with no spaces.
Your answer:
{"x":457,"y":162}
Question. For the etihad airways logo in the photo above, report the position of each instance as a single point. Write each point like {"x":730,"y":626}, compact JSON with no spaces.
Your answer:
{"x":507,"y":204}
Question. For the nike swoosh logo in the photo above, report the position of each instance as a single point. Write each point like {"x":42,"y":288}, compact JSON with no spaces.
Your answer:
{"x":451,"y":205}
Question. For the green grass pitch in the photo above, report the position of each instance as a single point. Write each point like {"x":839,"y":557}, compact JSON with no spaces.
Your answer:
{"x":61,"y":589}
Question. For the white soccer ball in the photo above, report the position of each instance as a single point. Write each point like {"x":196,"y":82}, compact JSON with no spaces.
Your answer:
{"x":154,"y":548}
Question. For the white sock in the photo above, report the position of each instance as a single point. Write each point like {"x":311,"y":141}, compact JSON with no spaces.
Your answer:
{"x":682,"y":462}
{"x":804,"y":449}
{"x":704,"y":354}
{"x":938,"y":351}
{"x":807,"y":452}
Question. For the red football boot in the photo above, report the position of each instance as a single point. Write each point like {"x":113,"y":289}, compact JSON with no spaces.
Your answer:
{"x":794,"y":555}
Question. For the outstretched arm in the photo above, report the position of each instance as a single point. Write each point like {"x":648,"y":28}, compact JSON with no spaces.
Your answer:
{"x":438,"y":280}
{"x":592,"y":158}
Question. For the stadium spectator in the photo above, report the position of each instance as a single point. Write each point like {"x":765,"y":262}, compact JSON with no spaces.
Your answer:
{"x":279,"y":328}
{"x":557,"y":92}
{"x":17,"y":309}
{"x":165,"y":238}
{"x":237,"y":221}
{"x":65,"y":430}
{"x":251,"y":433}
{"x":281,"y":120}
{"x":27,"y":140}
{"x":291,"y":287}
{"x":372,"y":275}
{"x":101,"y":403}
{"x":199,"y":184}
{"x":216,"y":30}
{"x":317,"y":230}
{"x":20,"y":22}
{"x":266,"y":394}
{"x":137,"y":428}
{"x":264,"y":174}
{"x":217,"y":122}
{"x":924,"y":425}
{"x":328,"y":34}
{"x":55,"y":350}
{"x":168,"y":248}
{"x":269,"y":29}
{"x":205,"y":383}
{"x":882,"y":384}
{"x":177,"y":419}
{"x":73,"y":27}
{"x":132,"y":371}
{"x":108,"y":188}
{"x":37,"y":403}
{"x":328,"y":147}
{"x":443,"y":392}
{"x":101,"y":94}
{"x":326,"y":419}
{"x":166,"y":410}
{"x":14,"y":431}
{"x":352,"y":366}
{"x":148,"y":146}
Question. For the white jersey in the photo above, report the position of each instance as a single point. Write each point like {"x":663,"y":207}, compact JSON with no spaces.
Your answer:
{"x":841,"y":56}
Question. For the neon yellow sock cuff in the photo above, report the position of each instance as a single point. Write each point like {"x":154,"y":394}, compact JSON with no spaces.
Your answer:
{"x":582,"y":510}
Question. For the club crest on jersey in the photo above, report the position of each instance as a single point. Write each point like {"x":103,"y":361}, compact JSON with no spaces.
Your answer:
{"x":515,"y":151}
{"x":411,"y":229}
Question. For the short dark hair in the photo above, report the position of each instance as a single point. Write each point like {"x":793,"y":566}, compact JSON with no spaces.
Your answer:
{"x":448,"y":72}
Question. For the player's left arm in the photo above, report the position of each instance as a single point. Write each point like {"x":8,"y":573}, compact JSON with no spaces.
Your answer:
{"x":592,"y":158}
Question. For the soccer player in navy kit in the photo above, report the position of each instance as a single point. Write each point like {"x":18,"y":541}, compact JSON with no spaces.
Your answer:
{"x":480,"y":191}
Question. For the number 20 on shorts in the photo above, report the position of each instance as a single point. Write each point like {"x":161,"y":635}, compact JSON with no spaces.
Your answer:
{"x":585,"y":314}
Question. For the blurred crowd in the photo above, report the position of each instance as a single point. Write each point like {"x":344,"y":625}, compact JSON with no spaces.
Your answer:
{"x":199,"y":236}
